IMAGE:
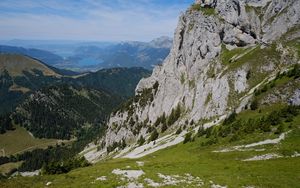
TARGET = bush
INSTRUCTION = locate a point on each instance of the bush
(208, 132)
(141, 140)
(274, 118)
(287, 152)
(174, 116)
(234, 138)
(187, 138)
(211, 141)
(157, 122)
(266, 127)
(65, 166)
(205, 10)
(179, 130)
(154, 135)
(196, 7)
(164, 127)
(201, 131)
(280, 129)
(254, 105)
(264, 89)
(121, 145)
(295, 72)
(231, 118)
(248, 74)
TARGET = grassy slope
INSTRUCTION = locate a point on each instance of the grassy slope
(16, 64)
(222, 168)
(20, 140)
(6, 168)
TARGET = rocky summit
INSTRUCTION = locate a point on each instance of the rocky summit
(222, 51)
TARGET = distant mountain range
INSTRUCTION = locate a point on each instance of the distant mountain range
(45, 56)
(92, 56)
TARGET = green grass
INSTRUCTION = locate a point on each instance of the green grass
(283, 83)
(222, 168)
(6, 168)
(255, 58)
(227, 55)
(205, 10)
(17, 64)
(295, 44)
(20, 140)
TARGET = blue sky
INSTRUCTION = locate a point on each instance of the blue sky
(96, 20)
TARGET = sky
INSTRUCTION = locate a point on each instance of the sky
(89, 20)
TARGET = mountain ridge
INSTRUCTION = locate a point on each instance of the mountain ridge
(20, 75)
(210, 70)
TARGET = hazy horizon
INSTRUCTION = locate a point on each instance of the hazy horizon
(70, 41)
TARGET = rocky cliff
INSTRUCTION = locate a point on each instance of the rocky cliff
(223, 50)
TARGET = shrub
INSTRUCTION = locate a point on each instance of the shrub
(254, 104)
(150, 129)
(201, 131)
(157, 122)
(280, 129)
(154, 135)
(264, 89)
(187, 138)
(234, 138)
(209, 132)
(287, 152)
(266, 127)
(248, 75)
(211, 141)
(272, 84)
(179, 130)
(164, 127)
(174, 116)
(231, 118)
(64, 166)
(196, 7)
(274, 118)
(163, 119)
(123, 144)
(205, 10)
(155, 87)
(141, 140)
(192, 122)
(295, 72)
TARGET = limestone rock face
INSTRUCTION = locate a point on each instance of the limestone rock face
(280, 16)
(206, 3)
(295, 99)
(195, 75)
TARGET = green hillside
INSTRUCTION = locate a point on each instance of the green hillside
(61, 111)
(52, 105)
(215, 156)
(199, 158)
(120, 81)
(21, 75)
(19, 140)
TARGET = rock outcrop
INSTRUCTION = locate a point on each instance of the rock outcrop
(217, 59)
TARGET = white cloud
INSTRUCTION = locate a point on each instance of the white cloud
(89, 21)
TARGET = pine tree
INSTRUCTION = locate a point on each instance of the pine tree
(154, 135)
(141, 140)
